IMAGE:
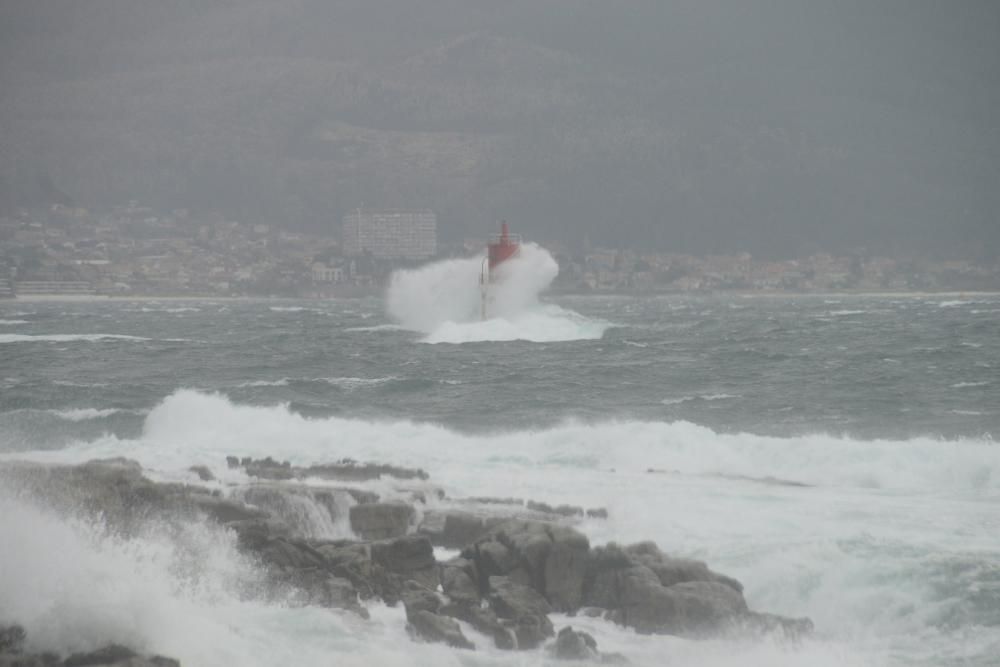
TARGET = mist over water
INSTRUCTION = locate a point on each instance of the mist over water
(443, 300)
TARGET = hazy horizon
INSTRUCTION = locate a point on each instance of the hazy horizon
(777, 128)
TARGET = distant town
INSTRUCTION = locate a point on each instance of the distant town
(134, 250)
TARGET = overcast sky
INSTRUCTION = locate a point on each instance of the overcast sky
(777, 127)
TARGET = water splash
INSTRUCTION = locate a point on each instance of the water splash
(443, 301)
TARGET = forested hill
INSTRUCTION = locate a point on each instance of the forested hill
(775, 127)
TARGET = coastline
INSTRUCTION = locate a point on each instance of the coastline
(745, 294)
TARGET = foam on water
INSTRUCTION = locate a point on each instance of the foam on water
(83, 414)
(443, 300)
(190, 425)
(886, 550)
(65, 338)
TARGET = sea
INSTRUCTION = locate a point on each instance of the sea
(835, 453)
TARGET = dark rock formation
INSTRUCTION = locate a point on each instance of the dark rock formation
(346, 469)
(511, 573)
(379, 521)
(455, 529)
(654, 593)
(204, 474)
(458, 581)
(419, 598)
(112, 655)
(573, 645)
(672, 571)
(484, 620)
(550, 558)
(525, 607)
(434, 628)
(411, 557)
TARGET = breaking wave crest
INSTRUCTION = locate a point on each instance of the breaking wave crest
(191, 426)
(443, 301)
(676, 482)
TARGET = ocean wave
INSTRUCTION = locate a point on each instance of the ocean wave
(547, 323)
(85, 414)
(12, 322)
(700, 397)
(196, 427)
(376, 327)
(293, 309)
(963, 385)
(443, 301)
(348, 383)
(65, 338)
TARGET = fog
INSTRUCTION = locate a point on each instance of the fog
(778, 128)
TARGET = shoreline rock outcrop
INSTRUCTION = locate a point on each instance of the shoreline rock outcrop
(12, 654)
(512, 571)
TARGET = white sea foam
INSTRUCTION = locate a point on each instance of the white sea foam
(701, 397)
(376, 327)
(831, 551)
(195, 427)
(963, 385)
(293, 309)
(65, 338)
(84, 414)
(348, 383)
(443, 301)
(12, 322)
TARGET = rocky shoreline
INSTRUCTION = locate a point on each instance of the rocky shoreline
(518, 561)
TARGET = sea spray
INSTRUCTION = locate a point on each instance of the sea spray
(443, 300)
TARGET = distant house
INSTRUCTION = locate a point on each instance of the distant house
(390, 233)
(321, 273)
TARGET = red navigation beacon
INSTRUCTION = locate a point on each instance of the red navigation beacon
(501, 247)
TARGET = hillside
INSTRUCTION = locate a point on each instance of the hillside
(768, 127)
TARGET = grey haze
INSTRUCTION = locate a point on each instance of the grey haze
(775, 127)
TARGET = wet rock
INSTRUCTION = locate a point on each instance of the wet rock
(561, 510)
(348, 469)
(268, 468)
(307, 511)
(418, 598)
(573, 645)
(550, 558)
(618, 580)
(531, 631)
(253, 534)
(453, 529)
(434, 628)
(672, 571)
(411, 557)
(523, 605)
(320, 588)
(489, 500)
(458, 581)
(757, 623)
(484, 620)
(379, 521)
(204, 474)
(226, 511)
(119, 656)
(703, 608)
